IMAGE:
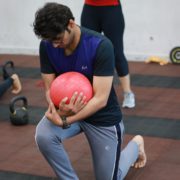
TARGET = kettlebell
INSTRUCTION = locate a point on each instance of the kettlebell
(4, 69)
(19, 116)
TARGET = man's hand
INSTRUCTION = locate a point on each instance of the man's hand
(53, 115)
(77, 102)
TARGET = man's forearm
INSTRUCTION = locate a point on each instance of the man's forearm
(92, 107)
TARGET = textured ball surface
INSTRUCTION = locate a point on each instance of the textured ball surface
(66, 84)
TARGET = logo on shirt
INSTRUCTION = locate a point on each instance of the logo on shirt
(84, 67)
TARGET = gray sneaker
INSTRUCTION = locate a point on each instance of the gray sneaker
(129, 100)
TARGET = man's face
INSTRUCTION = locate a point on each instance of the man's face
(64, 39)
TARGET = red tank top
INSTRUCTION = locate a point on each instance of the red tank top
(102, 2)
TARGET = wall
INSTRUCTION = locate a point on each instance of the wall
(152, 26)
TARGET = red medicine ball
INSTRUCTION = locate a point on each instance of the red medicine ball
(66, 84)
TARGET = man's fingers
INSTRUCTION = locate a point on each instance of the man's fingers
(62, 105)
(63, 102)
(48, 112)
(49, 109)
(73, 98)
(81, 99)
(52, 108)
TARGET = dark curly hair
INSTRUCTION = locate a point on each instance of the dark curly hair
(51, 20)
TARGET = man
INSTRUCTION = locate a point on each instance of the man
(68, 47)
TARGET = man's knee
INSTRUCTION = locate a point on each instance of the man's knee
(43, 138)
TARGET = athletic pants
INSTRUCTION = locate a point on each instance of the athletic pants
(105, 144)
(110, 21)
(5, 85)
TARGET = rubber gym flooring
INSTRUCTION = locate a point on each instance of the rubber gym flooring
(156, 117)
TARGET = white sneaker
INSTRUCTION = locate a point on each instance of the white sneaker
(129, 100)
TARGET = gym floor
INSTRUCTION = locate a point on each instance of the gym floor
(156, 117)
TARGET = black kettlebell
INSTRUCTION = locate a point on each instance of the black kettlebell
(8, 64)
(19, 116)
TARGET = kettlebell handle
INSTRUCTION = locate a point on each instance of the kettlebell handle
(9, 63)
(14, 100)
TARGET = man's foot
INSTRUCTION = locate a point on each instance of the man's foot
(16, 84)
(129, 100)
(142, 159)
(8, 69)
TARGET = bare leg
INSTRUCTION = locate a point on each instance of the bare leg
(125, 83)
(5, 85)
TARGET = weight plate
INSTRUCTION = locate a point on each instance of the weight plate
(175, 55)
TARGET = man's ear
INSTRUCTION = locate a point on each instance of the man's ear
(71, 23)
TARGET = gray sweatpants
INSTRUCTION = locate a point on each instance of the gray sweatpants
(105, 142)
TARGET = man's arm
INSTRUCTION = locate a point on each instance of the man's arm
(101, 87)
(75, 104)
(48, 79)
(102, 84)
(102, 81)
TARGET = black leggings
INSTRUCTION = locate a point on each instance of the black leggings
(5, 85)
(110, 21)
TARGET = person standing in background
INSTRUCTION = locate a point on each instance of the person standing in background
(106, 16)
